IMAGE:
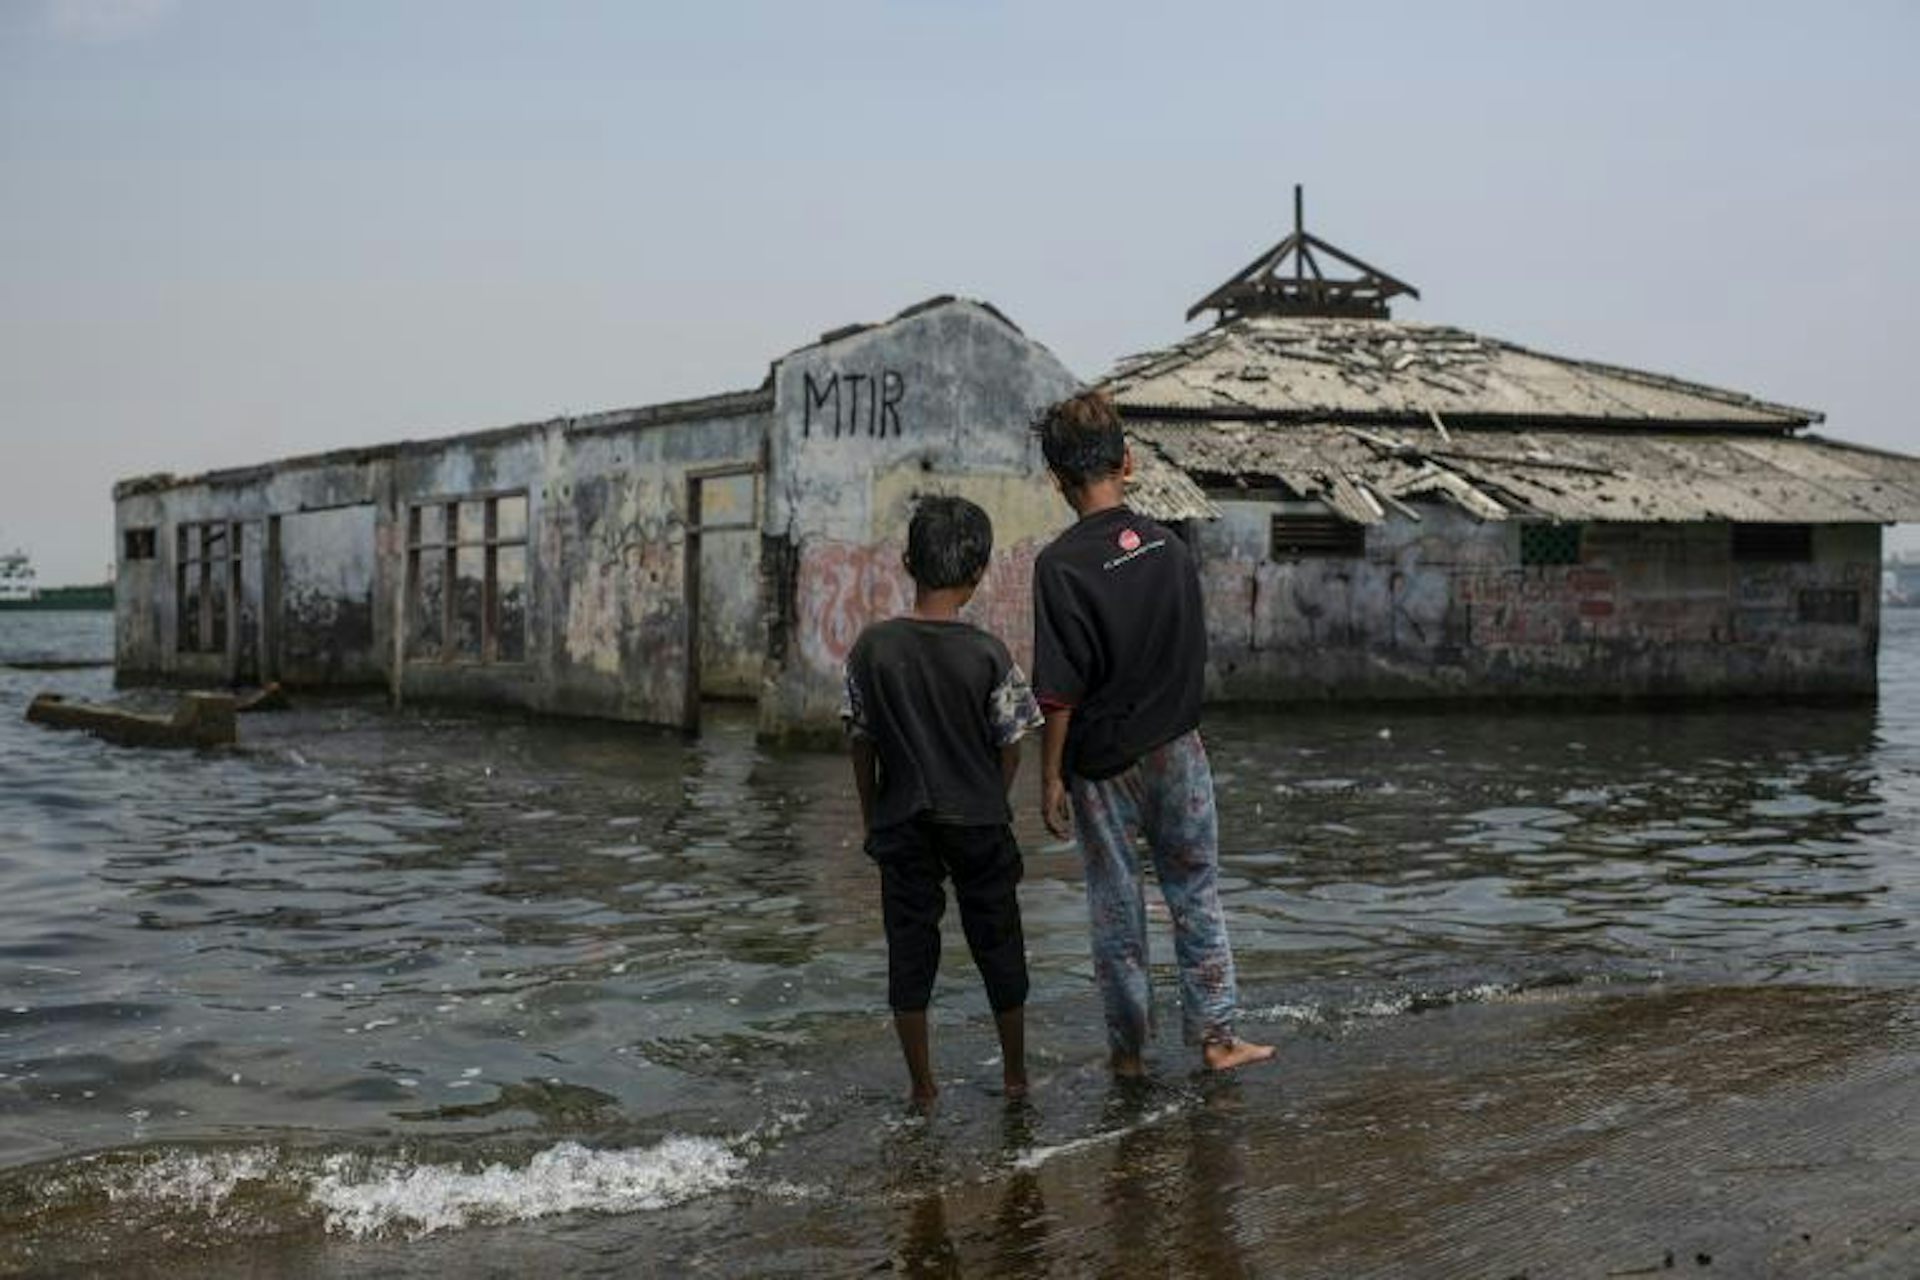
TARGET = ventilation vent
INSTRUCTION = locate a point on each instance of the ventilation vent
(1549, 544)
(1298, 536)
(1774, 543)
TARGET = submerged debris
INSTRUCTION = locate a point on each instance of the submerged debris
(199, 720)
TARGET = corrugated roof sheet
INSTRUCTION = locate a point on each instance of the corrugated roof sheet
(1165, 493)
(1651, 476)
(1305, 367)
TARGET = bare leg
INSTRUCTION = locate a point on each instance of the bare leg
(912, 1030)
(1128, 1066)
(1012, 1026)
(1225, 1055)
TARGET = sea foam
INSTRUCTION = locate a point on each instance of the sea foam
(362, 1197)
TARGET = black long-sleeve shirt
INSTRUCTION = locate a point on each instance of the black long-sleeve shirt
(1120, 637)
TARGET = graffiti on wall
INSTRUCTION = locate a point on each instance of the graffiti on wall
(852, 404)
(1004, 603)
(844, 587)
(1537, 606)
(625, 610)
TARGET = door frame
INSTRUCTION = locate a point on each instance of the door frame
(248, 550)
(690, 572)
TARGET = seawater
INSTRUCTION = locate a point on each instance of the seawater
(377, 979)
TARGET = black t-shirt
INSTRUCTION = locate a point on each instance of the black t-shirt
(1120, 637)
(938, 700)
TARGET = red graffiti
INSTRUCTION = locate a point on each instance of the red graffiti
(844, 587)
(1004, 604)
(1520, 608)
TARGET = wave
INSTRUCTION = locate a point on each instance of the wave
(361, 1195)
(1415, 1000)
(361, 1198)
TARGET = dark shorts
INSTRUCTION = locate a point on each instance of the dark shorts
(916, 858)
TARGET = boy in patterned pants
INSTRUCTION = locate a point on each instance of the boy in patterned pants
(1120, 649)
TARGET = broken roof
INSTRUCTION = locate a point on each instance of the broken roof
(1163, 492)
(1554, 474)
(1314, 368)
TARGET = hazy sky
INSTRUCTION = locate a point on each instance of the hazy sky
(235, 229)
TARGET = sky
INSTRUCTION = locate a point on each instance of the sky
(232, 230)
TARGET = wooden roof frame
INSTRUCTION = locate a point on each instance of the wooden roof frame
(1266, 286)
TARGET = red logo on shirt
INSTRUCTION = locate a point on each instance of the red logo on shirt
(1129, 540)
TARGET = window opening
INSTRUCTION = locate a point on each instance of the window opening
(206, 564)
(467, 579)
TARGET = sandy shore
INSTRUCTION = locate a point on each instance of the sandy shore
(1706, 1131)
(1746, 1132)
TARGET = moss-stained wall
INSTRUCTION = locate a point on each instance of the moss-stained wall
(1443, 607)
(603, 556)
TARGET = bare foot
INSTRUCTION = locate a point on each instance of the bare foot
(1225, 1055)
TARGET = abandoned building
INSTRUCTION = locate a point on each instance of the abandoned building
(1381, 509)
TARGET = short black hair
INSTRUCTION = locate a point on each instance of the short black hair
(949, 541)
(1082, 439)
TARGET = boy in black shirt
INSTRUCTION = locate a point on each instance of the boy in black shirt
(935, 709)
(1119, 656)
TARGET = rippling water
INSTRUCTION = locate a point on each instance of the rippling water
(377, 976)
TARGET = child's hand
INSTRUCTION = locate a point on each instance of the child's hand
(1055, 810)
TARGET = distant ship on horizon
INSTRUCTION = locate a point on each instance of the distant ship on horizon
(18, 582)
(1900, 582)
(20, 588)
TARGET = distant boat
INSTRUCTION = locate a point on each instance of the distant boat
(20, 589)
(18, 584)
(1900, 584)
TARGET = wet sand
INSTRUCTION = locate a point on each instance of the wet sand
(1743, 1132)
(1708, 1131)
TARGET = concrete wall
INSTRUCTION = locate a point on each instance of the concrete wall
(329, 574)
(602, 563)
(615, 519)
(935, 402)
(1443, 607)
(338, 637)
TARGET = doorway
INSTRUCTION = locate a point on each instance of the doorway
(726, 625)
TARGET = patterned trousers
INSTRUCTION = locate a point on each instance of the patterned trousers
(1165, 799)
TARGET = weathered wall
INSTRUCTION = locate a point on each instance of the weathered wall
(1443, 607)
(138, 590)
(323, 609)
(329, 565)
(607, 616)
(620, 633)
(935, 402)
(601, 568)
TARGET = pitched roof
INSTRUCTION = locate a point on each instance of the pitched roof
(1556, 474)
(1163, 492)
(1315, 368)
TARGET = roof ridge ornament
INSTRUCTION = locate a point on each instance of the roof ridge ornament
(1287, 280)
